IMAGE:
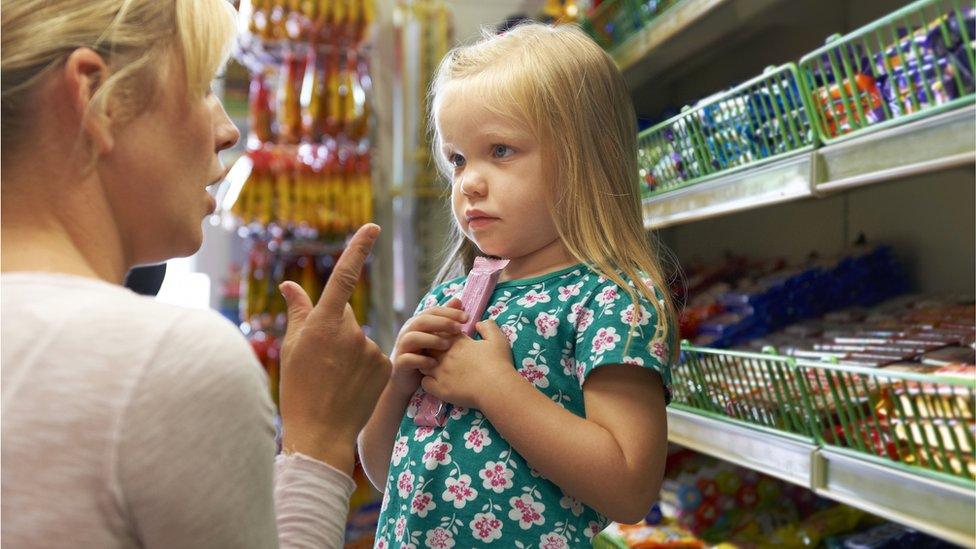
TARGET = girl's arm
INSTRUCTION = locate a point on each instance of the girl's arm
(612, 460)
(378, 437)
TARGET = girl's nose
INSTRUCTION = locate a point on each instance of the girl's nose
(473, 184)
(226, 134)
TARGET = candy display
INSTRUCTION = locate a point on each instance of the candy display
(310, 20)
(321, 192)
(611, 22)
(747, 300)
(477, 291)
(894, 68)
(759, 119)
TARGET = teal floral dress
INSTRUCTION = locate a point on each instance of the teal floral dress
(463, 485)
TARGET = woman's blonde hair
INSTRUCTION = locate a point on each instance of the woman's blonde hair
(134, 37)
(561, 86)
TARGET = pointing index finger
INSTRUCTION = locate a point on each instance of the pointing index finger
(347, 271)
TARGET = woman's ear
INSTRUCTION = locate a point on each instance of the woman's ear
(84, 73)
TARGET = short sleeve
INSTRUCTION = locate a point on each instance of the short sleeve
(611, 330)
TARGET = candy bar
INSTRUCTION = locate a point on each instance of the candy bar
(474, 298)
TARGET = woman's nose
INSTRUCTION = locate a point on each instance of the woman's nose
(226, 134)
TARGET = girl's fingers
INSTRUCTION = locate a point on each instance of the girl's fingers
(432, 324)
(415, 361)
(448, 312)
(415, 342)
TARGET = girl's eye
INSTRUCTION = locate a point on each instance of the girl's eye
(501, 151)
(456, 160)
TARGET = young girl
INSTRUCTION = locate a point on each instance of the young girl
(557, 411)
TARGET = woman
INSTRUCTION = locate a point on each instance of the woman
(126, 422)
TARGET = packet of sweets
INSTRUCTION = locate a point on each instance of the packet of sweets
(474, 298)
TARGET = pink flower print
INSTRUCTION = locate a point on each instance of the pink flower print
(381, 544)
(659, 350)
(535, 374)
(386, 501)
(476, 439)
(580, 370)
(546, 324)
(459, 490)
(422, 433)
(405, 483)
(532, 297)
(607, 296)
(399, 450)
(566, 292)
(526, 511)
(569, 364)
(635, 316)
(453, 289)
(580, 317)
(606, 339)
(510, 333)
(592, 529)
(428, 303)
(399, 528)
(439, 538)
(408, 546)
(436, 453)
(457, 412)
(422, 503)
(636, 361)
(553, 540)
(573, 504)
(496, 476)
(486, 527)
(497, 309)
(414, 405)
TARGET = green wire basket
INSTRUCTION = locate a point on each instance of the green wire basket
(757, 121)
(916, 421)
(756, 389)
(915, 62)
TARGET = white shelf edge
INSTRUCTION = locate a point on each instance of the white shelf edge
(784, 458)
(897, 495)
(868, 486)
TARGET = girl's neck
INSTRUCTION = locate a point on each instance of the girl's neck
(551, 257)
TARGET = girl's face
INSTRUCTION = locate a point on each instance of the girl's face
(162, 162)
(500, 191)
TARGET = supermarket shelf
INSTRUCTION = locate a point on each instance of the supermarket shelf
(927, 145)
(924, 146)
(941, 509)
(781, 181)
(680, 33)
(788, 459)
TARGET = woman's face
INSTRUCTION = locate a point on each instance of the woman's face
(159, 167)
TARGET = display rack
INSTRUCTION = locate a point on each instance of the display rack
(939, 508)
(923, 146)
(724, 423)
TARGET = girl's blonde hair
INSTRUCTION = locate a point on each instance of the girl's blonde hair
(134, 37)
(563, 88)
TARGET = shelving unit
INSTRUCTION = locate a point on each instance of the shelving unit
(924, 146)
(939, 504)
(939, 508)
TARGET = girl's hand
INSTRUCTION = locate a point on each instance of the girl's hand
(421, 341)
(464, 370)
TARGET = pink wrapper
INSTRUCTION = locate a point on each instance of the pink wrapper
(474, 298)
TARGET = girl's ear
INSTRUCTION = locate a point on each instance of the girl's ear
(83, 74)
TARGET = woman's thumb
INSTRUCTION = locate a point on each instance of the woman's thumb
(299, 305)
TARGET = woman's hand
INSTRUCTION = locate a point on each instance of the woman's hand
(462, 373)
(421, 341)
(331, 373)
